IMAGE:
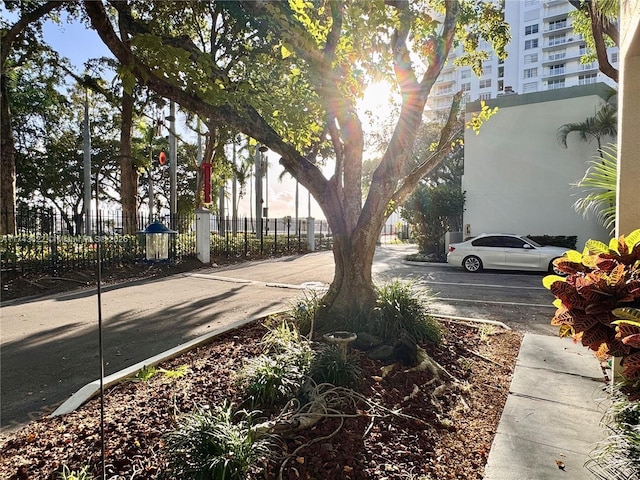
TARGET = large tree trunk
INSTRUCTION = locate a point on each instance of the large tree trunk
(7, 166)
(128, 172)
(352, 286)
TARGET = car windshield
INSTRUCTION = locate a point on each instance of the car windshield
(532, 242)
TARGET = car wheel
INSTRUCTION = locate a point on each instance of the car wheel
(472, 264)
(556, 270)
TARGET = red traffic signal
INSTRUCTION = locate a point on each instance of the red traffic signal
(162, 158)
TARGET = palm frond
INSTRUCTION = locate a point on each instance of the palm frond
(599, 186)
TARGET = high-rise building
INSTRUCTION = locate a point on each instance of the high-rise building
(544, 54)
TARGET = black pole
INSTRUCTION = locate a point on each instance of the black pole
(103, 455)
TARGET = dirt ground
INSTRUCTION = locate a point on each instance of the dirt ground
(436, 434)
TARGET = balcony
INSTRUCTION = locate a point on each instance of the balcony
(556, 12)
(555, 72)
(560, 43)
(557, 28)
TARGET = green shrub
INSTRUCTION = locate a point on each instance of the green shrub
(304, 311)
(208, 445)
(596, 302)
(401, 307)
(555, 240)
(267, 381)
(331, 366)
(68, 474)
(281, 337)
(618, 455)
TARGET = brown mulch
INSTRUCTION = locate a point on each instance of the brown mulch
(445, 439)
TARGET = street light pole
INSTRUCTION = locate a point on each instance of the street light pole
(86, 145)
(173, 164)
(257, 164)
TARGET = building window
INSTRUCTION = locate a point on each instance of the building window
(530, 73)
(559, 55)
(530, 87)
(465, 74)
(444, 90)
(531, 3)
(554, 84)
(529, 44)
(442, 103)
(487, 69)
(531, 58)
(587, 79)
(466, 97)
(583, 50)
(465, 87)
(614, 57)
(557, 69)
(485, 83)
(589, 66)
(485, 96)
(558, 24)
(557, 40)
(531, 29)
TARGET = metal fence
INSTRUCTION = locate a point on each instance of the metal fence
(47, 241)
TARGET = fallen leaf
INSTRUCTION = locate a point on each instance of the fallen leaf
(347, 469)
(560, 464)
(300, 460)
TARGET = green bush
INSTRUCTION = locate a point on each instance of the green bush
(402, 307)
(597, 301)
(68, 474)
(208, 445)
(555, 240)
(618, 455)
(304, 311)
(330, 366)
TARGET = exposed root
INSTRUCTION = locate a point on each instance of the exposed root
(425, 362)
(326, 401)
(486, 359)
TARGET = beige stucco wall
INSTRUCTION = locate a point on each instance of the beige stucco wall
(518, 178)
(628, 217)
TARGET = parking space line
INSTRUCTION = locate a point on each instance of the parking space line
(443, 299)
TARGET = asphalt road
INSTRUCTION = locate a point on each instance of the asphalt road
(49, 346)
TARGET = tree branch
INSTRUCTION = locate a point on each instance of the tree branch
(19, 27)
(447, 136)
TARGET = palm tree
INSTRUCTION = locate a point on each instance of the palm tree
(599, 182)
(603, 124)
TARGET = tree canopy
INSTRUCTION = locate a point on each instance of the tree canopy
(288, 75)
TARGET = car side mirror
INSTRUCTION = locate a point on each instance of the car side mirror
(527, 246)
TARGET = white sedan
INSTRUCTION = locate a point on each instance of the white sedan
(503, 251)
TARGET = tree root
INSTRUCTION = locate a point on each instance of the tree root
(486, 359)
(425, 362)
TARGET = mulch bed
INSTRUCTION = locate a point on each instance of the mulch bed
(447, 439)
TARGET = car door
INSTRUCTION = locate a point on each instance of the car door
(490, 250)
(520, 255)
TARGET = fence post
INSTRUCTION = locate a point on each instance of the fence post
(203, 241)
(311, 233)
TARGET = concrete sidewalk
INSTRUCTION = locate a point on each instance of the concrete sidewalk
(552, 413)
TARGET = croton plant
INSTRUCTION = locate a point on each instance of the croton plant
(598, 301)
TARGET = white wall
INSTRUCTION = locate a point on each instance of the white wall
(518, 178)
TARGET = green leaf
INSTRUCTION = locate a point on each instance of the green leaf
(551, 279)
(632, 239)
(284, 51)
(596, 246)
(627, 313)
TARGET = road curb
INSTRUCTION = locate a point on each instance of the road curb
(92, 389)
